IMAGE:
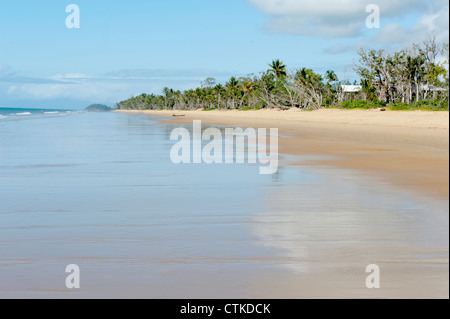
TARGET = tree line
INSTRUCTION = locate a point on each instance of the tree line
(407, 78)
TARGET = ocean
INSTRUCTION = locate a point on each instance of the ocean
(14, 114)
(98, 190)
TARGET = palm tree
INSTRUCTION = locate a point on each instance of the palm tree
(233, 83)
(176, 99)
(332, 77)
(307, 76)
(278, 68)
(218, 90)
(232, 88)
(167, 96)
(246, 86)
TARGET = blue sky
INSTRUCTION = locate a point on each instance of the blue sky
(125, 48)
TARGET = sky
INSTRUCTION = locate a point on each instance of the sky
(126, 48)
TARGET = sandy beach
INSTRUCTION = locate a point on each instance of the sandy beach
(407, 149)
(396, 157)
(99, 190)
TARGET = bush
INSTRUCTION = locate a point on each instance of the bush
(378, 103)
(435, 105)
(328, 102)
(401, 107)
(250, 108)
(425, 105)
(360, 104)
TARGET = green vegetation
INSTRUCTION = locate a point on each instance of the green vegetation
(360, 104)
(405, 80)
(424, 105)
(98, 108)
(247, 108)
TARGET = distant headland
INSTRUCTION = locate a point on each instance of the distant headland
(98, 108)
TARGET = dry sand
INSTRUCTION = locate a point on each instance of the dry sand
(407, 149)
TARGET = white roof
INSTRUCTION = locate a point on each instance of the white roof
(351, 88)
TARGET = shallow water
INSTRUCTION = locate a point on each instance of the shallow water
(100, 191)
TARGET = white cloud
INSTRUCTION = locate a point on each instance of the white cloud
(9, 75)
(344, 48)
(85, 91)
(91, 91)
(334, 8)
(434, 21)
(71, 77)
(6, 70)
(393, 33)
(111, 87)
(334, 18)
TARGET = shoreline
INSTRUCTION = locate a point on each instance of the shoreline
(406, 149)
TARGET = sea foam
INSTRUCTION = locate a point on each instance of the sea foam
(24, 113)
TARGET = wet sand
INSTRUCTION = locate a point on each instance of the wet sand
(99, 191)
(408, 149)
(384, 202)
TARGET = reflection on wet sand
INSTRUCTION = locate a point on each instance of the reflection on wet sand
(332, 226)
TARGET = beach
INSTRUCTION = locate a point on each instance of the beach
(99, 190)
(384, 201)
(225, 153)
(408, 149)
